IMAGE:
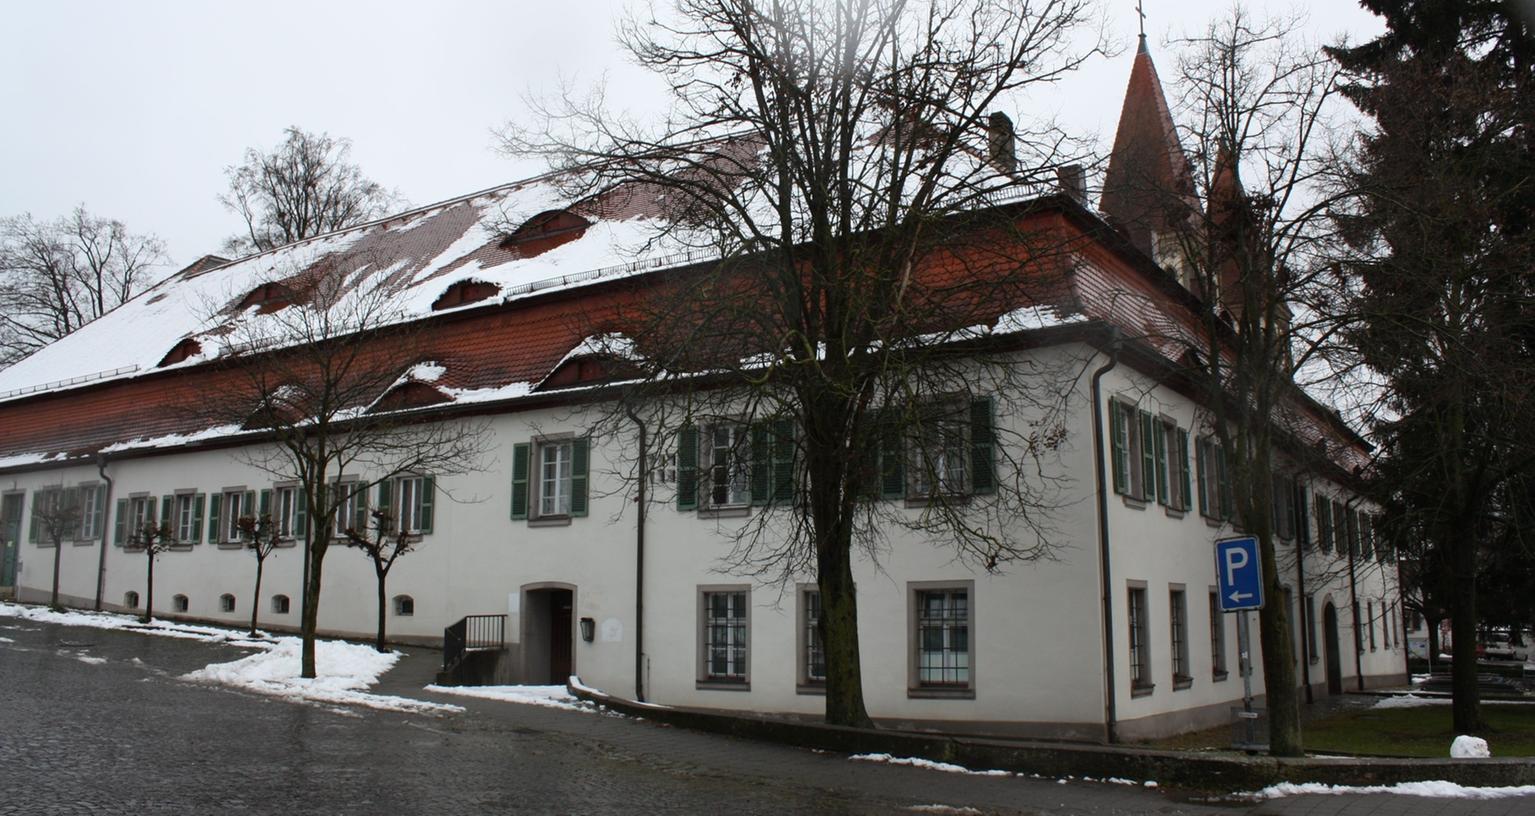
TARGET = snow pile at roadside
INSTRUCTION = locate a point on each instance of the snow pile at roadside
(1435, 789)
(112, 620)
(1469, 747)
(546, 696)
(918, 762)
(344, 670)
(1410, 701)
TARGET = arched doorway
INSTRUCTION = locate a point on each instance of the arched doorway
(547, 636)
(1330, 637)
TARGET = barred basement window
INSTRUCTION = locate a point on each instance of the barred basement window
(280, 604)
(812, 652)
(131, 599)
(1217, 639)
(1140, 643)
(404, 606)
(724, 641)
(226, 603)
(179, 603)
(1178, 618)
(943, 621)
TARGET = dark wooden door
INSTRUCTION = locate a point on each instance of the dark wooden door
(1334, 660)
(560, 603)
(10, 534)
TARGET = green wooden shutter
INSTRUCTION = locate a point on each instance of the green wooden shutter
(1119, 449)
(783, 460)
(1203, 464)
(1223, 480)
(215, 510)
(198, 504)
(892, 455)
(1183, 468)
(580, 454)
(687, 467)
(264, 509)
(359, 496)
(426, 498)
(761, 463)
(120, 524)
(301, 513)
(1148, 457)
(983, 447)
(386, 502)
(167, 512)
(522, 452)
(37, 504)
(1159, 445)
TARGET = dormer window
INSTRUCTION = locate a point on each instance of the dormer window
(270, 297)
(545, 231)
(463, 293)
(181, 351)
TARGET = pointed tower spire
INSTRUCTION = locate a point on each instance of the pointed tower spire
(1149, 186)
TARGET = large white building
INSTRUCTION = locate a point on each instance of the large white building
(1115, 635)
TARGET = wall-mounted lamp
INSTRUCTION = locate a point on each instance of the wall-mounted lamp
(588, 629)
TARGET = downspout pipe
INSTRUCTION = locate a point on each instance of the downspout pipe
(1353, 597)
(1302, 544)
(639, 558)
(106, 507)
(1106, 590)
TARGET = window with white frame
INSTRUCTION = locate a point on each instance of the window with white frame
(942, 638)
(285, 512)
(1149, 456)
(91, 511)
(1217, 639)
(939, 459)
(1140, 642)
(412, 504)
(1178, 628)
(1215, 491)
(1325, 536)
(812, 651)
(141, 514)
(351, 509)
(724, 641)
(186, 518)
(726, 465)
(554, 472)
(1284, 507)
(233, 504)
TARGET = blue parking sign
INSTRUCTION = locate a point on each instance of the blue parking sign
(1238, 574)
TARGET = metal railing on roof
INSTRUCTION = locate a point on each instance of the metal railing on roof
(83, 378)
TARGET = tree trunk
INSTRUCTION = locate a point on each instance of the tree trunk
(256, 599)
(311, 613)
(149, 595)
(1433, 641)
(839, 635)
(54, 601)
(382, 610)
(1465, 701)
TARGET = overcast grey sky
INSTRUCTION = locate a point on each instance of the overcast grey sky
(135, 109)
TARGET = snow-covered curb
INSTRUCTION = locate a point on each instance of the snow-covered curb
(344, 669)
(112, 620)
(1436, 789)
(546, 696)
(947, 767)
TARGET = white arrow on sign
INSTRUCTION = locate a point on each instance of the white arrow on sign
(1238, 597)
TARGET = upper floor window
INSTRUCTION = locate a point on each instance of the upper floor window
(728, 464)
(1149, 456)
(1215, 493)
(187, 517)
(92, 511)
(549, 478)
(409, 501)
(352, 508)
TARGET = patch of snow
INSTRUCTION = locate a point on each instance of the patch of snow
(918, 762)
(1469, 747)
(91, 659)
(344, 670)
(1410, 701)
(1438, 789)
(546, 696)
(112, 620)
(6, 639)
(941, 809)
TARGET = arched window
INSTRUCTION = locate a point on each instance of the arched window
(280, 604)
(226, 603)
(404, 606)
(179, 603)
(131, 599)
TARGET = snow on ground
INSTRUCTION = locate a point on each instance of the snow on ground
(7, 640)
(110, 620)
(1435, 789)
(1416, 701)
(918, 762)
(344, 670)
(1466, 746)
(547, 696)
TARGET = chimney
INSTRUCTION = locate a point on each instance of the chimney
(1072, 181)
(1000, 139)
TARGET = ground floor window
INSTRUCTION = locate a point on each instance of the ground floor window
(404, 606)
(280, 604)
(812, 651)
(1178, 628)
(1217, 639)
(941, 633)
(180, 603)
(226, 603)
(725, 637)
(1140, 642)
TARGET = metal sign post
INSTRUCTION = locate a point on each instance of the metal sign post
(1239, 576)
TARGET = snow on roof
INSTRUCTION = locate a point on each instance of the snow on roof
(416, 256)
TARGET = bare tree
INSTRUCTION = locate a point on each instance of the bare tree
(304, 187)
(1243, 224)
(57, 516)
(383, 544)
(313, 368)
(261, 537)
(56, 276)
(835, 157)
(151, 539)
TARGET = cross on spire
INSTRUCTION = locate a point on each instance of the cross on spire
(1140, 12)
